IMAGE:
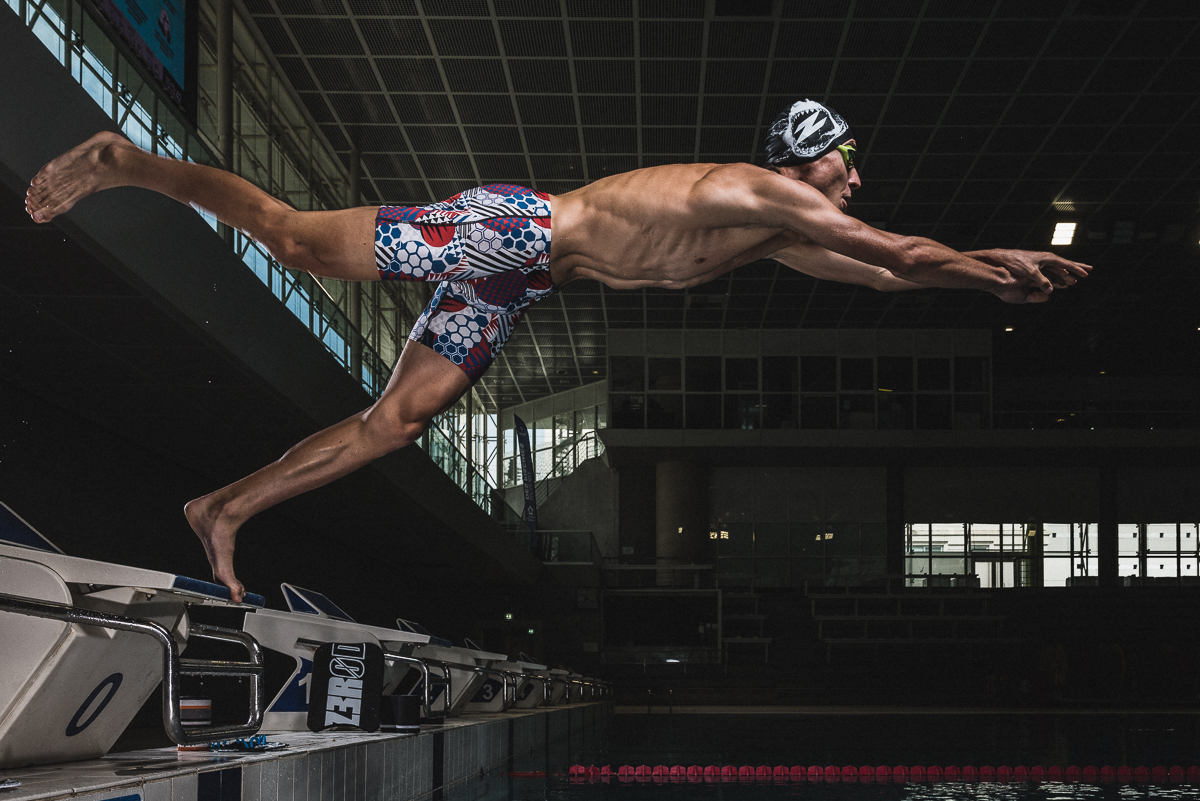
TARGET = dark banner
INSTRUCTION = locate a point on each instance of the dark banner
(530, 481)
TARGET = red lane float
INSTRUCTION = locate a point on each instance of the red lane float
(1090, 774)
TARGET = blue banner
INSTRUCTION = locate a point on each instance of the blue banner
(530, 481)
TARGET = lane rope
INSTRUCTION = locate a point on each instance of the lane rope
(1089, 774)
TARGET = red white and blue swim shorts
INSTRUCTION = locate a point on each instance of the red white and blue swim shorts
(490, 250)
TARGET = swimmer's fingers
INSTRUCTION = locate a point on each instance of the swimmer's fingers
(1054, 260)
(1059, 277)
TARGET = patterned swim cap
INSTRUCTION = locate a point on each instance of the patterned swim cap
(804, 132)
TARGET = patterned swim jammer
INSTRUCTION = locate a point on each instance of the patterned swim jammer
(490, 250)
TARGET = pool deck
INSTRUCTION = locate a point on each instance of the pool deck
(326, 766)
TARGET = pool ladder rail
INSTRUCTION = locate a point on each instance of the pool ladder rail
(173, 666)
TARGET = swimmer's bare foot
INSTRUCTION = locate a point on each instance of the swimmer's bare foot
(217, 536)
(74, 175)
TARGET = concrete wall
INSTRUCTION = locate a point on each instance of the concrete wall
(798, 494)
(586, 500)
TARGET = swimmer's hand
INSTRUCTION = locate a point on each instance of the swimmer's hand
(1038, 273)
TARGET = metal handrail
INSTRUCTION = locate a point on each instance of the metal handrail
(542, 490)
(172, 666)
(447, 704)
(427, 707)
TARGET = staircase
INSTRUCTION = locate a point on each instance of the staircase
(742, 619)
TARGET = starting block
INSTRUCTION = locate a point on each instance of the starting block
(86, 643)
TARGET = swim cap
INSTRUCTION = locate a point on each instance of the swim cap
(805, 132)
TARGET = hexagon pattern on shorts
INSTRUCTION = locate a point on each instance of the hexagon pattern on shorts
(490, 249)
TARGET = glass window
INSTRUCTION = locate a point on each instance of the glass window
(742, 411)
(780, 374)
(841, 539)
(770, 539)
(1162, 537)
(971, 374)
(874, 540)
(818, 374)
(1129, 549)
(807, 540)
(740, 541)
(858, 374)
(917, 554)
(895, 411)
(542, 435)
(933, 411)
(818, 411)
(1189, 559)
(780, 411)
(857, 411)
(664, 411)
(933, 374)
(1068, 555)
(703, 373)
(895, 373)
(971, 411)
(629, 411)
(703, 411)
(665, 374)
(564, 427)
(741, 375)
(625, 374)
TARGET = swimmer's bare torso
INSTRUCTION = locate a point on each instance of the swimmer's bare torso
(674, 226)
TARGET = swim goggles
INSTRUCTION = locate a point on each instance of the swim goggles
(847, 150)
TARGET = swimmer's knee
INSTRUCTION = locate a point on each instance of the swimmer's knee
(391, 430)
(281, 233)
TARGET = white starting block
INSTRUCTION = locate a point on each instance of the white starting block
(314, 620)
(84, 644)
(497, 695)
(469, 667)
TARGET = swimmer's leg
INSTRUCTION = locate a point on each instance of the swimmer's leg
(333, 244)
(423, 385)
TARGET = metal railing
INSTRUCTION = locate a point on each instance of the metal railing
(567, 546)
(173, 667)
(587, 446)
(661, 573)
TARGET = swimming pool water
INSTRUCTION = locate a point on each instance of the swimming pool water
(924, 739)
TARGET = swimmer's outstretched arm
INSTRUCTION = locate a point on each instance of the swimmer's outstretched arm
(1061, 272)
(821, 263)
(751, 196)
(818, 262)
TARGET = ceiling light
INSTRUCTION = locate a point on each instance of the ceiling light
(1009, 329)
(1064, 232)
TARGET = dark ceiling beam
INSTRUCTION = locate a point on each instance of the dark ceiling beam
(1066, 107)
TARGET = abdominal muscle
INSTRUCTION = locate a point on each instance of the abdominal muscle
(651, 228)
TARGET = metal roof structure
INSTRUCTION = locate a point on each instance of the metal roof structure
(979, 124)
